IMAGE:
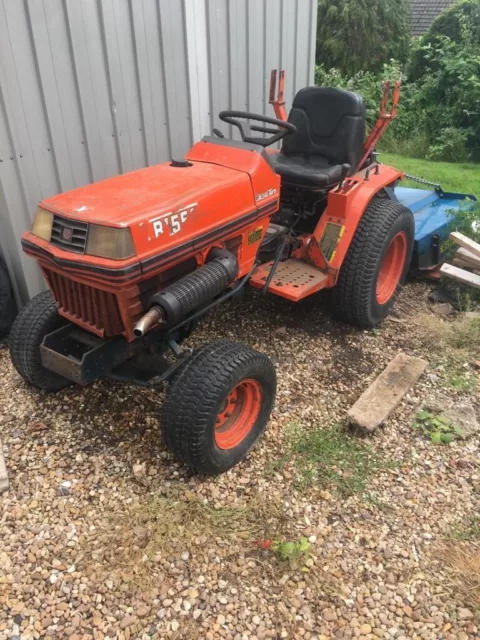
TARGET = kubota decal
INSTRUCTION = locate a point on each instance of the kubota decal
(172, 221)
(265, 194)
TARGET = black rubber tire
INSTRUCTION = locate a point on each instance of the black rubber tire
(39, 317)
(354, 296)
(195, 397)
(7, 301)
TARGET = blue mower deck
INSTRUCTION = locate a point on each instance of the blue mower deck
(432, 212)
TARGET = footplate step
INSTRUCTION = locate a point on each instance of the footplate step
(293, 279)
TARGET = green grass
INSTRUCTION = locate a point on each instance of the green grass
(470, 530)
(456, 340)
(331, 459)
(461, 178)
(463, 382)
(133, 540)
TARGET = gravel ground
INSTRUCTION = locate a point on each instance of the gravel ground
(103, 535)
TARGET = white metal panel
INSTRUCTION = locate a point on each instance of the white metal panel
(273, 35)
(152, 86)
(122, 83)
(238, 53)
(91, 88)
(172, 27)
(24, 103)
(197, 47)
(255, 52)
(219, 60)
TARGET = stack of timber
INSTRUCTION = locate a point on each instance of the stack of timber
(466, 264)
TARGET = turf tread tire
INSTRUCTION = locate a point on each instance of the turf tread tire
(39, 317)
(354, 296)
(168, 434)
(194, 398)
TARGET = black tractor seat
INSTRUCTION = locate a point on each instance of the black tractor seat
(306, 171)
(330, 135)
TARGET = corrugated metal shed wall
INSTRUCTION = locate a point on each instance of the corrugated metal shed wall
(91, 88)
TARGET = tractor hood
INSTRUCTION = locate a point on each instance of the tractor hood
(170, 209)
(132, 198)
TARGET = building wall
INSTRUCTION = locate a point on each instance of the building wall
(93, 88)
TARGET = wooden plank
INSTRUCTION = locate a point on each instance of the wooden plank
(466, 243)
(385, 393)
(458, 262)
(463, 264)
(467, 256)
(4, 484)
(460, 274)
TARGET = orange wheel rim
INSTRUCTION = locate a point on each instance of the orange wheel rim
(391, 268)
(238, 415)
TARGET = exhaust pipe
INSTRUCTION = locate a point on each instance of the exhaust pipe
(197, 288)
(150, 319)
(171, 305)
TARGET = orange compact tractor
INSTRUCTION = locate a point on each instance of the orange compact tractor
(133, 262)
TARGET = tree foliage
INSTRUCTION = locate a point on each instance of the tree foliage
(445, 66)
(450, 91)
(361, 35)
(439, 113)
(460, 21)
(460, 24)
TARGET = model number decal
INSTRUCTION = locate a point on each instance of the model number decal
(173, 221)
(265, 194)
(329, 241)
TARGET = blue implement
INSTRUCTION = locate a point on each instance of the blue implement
(432, 211)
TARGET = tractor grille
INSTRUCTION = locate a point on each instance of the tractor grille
(95, 307)
(69, 235)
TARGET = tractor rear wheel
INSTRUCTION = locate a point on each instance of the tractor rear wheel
(376, 264)
(218, 405)
(39, 317)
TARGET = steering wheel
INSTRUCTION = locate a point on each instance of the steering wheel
(281, 130)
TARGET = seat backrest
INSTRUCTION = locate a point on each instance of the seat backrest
(330, 123)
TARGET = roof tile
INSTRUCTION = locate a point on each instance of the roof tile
(424, 13)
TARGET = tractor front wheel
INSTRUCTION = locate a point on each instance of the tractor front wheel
(218, 405)
(39, 317)
(376, 264)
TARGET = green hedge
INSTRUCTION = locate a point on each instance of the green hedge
(439, 112)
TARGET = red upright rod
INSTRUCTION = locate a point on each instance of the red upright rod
(384, 119)
(278, 102)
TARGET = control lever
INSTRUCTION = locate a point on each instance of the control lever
(345, 171)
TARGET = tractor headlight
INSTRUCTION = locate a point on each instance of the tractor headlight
(42, 224)
(108, 242)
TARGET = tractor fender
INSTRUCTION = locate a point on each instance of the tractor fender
(345, 208)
